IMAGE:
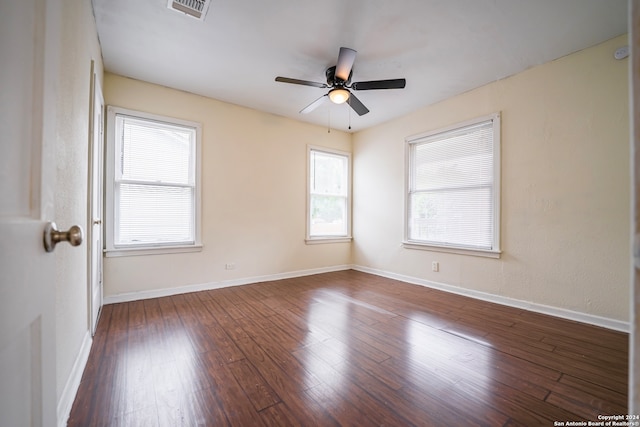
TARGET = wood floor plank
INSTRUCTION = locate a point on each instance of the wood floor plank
(212, 413)
(517, 405)
(600, 374)
(311, 332)
(254, 299)
(216, 311)
(230, 295)
(414, 411)
(157, 335)
(284, 360)
(201, 339)
(235, 403)
(139, 392)
(568, 345)
(190, 409)
(345, 386)
(442, 414)
(575, 400)
(255, 387)
(277, 304)
(344, 348)
(342, 410)
(137, 318)
(279, 415)
(191, 371)
(281, 380)
(223, 343)
(570, 331)
(197, 306)
(601, 393)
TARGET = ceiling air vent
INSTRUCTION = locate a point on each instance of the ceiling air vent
(195, 8)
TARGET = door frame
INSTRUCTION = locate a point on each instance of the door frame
(96, 180)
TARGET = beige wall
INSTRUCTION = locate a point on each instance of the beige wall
(565, 188)
(79, 46)
(253, 194)
(565, 191)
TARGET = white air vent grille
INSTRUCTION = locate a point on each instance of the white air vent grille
(196, 8)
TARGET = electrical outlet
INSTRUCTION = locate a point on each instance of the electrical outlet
(435, 266)
(230, 266)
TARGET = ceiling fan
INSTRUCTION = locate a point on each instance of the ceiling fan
(339, 82)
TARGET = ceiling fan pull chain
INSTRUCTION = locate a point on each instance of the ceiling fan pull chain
(329, 119)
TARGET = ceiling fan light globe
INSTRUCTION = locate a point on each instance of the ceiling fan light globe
(339, 95)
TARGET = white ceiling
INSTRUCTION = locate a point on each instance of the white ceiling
(442, 47)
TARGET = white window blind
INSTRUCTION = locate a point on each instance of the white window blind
(454, 187)
(154, 194)
(328, 194)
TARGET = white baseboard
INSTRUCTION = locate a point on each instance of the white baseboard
(73, 382)
(134, 296)
(603, 322)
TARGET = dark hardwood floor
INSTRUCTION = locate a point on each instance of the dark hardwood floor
(345, 348)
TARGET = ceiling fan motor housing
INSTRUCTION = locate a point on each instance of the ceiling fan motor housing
(331, 78)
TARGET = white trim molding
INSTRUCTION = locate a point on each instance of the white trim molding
(73, 381)
(135, 296)
(452, 250)
(604, 322)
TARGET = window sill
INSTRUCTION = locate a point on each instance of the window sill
(320, 240)
(109, 253)
(452, 250)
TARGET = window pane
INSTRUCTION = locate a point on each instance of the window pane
(458, 218)
(153, 171)
(328, 173)
(328, 216)
(452, 193)
(156, 152)
(459, 160)
(154, 215)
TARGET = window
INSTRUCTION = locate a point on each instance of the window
(329, 196)
(453, 189)
(153, 194)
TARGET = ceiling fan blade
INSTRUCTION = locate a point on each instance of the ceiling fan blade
(300, 82)
(357, 106)
(380, 84)
(315, 104)
(346, 59)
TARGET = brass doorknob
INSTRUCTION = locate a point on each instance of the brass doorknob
(53, 236)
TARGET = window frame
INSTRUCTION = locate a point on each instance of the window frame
(410, 141)
(328, 238)
(112, 250)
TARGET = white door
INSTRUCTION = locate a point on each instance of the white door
(95, 196)
(29, 51)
